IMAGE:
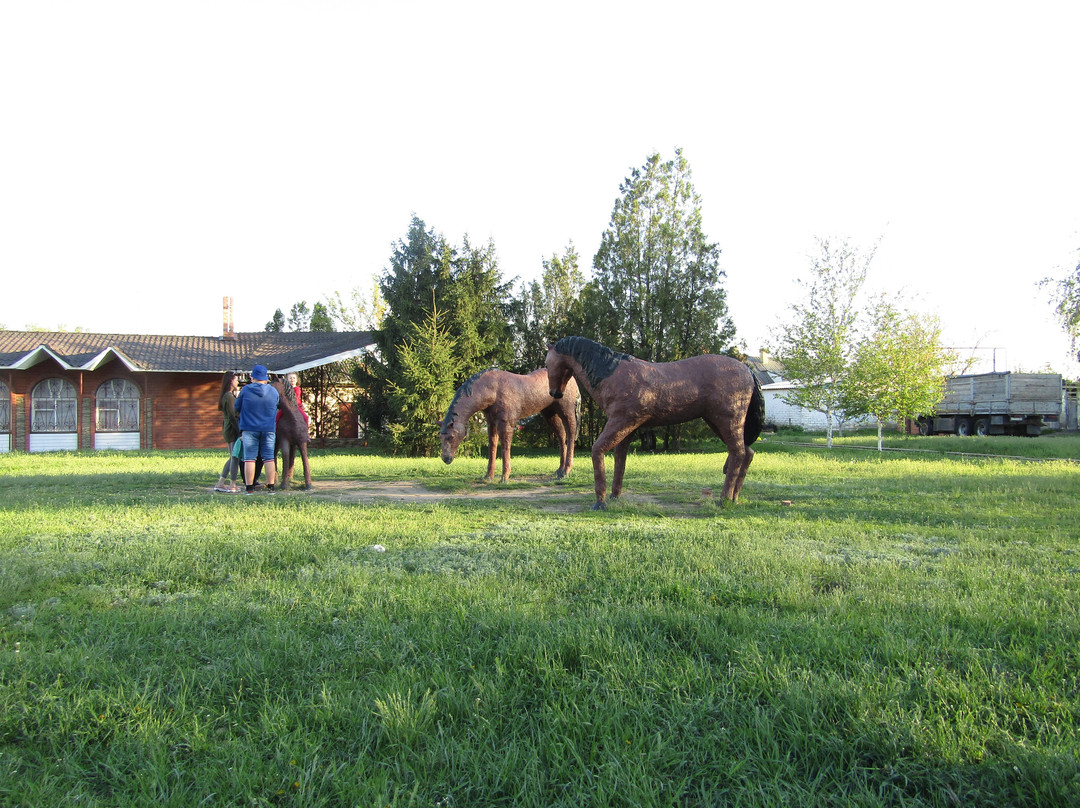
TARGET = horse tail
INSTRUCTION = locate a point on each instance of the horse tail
(755, 414)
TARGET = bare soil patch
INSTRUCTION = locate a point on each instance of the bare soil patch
(366, 491)
(547, 497)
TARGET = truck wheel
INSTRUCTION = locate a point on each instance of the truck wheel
(924, 427)
(982, 427)
(963, 427)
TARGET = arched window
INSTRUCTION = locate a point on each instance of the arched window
(5, 418)
(53, 406)
(117, 406)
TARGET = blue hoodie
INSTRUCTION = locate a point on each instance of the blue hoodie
(257, 407)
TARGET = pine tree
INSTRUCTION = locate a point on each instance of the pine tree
(425, 387)
(277, 322)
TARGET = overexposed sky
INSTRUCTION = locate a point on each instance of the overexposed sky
(156, 156)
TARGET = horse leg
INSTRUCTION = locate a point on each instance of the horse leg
(738, 460)
(493, 445)
(569, 415)
(507, 430)
(739, 454)
(620, 466)
(307, 469)
(557, 426)
(612, 436)
(286, 461)
(742, 473)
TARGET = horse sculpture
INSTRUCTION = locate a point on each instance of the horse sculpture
(292, 433)
(633, 394)
(505, 398)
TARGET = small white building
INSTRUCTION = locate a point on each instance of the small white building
(779, 413)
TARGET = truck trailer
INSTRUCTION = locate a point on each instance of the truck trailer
(997, 404)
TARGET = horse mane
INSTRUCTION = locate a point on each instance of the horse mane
(287, 397)
(462, 392)
(596, 360)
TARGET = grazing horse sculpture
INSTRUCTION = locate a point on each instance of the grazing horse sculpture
(292, 433)
(505, 398)
(633, 394)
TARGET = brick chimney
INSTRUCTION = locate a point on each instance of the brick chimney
(227, 330)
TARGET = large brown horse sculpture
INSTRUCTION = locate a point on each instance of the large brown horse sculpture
(505, 398)
(292, 433)
(633, 394)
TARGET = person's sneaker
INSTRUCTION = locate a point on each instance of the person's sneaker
(249, 490)
(222, 485)
(270, 489)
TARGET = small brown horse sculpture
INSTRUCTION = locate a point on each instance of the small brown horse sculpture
(505, 398)
(292, 433)
(633, 394)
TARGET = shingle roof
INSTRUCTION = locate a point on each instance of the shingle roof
(767, 369)
(281, 352)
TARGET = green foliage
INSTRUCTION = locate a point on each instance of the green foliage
(463, 283)
(816, 345)
(657, 291)
(1065, 296)
(477, 310)
(898, 367)
(904, 633)
(426, 386)
(320, 319)
(410, 286)
(276, 323)
(547, 310)
(363, 311)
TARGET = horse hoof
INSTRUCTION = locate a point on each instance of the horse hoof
(600, 506)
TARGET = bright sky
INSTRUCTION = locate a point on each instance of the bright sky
(156, 156)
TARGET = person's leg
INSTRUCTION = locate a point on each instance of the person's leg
(251, 449)
(222, 483)
(266, 446)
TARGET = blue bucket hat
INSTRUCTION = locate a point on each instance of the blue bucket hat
(259, 374)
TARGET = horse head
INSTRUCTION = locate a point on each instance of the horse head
(559, 371)
(452, 432)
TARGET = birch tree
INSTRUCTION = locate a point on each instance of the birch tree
(815, 346)
(1065, 297)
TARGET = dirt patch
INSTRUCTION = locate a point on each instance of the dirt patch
(410, 491)
(548, 497)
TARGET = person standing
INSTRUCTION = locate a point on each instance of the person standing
(257, 406)
(230, 430)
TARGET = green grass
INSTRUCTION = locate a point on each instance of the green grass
(906, 632)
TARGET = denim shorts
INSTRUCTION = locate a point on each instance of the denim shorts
(259, 444)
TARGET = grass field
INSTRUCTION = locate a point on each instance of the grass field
(905, 632)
